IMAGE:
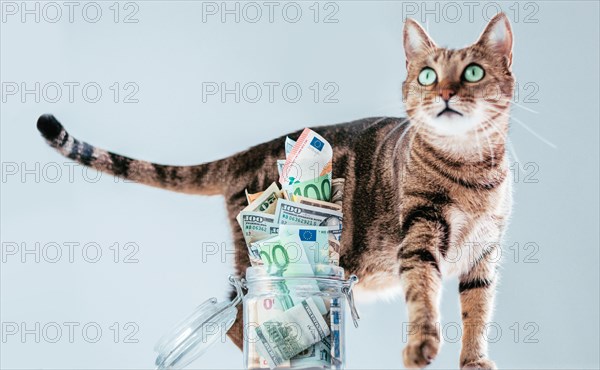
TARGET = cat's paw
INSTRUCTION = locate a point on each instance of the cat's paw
(419, 352)
(481, 364)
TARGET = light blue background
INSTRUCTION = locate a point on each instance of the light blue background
(169, 53)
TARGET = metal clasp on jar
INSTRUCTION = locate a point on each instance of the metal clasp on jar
(347, 290)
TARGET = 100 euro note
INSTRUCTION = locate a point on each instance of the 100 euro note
(292, 213)
(284, 256)
(318, 246)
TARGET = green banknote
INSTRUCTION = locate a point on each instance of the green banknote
(315, 241)
(284, 256)
(317, 188)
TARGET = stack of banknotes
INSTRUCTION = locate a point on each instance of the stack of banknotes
(295, 231)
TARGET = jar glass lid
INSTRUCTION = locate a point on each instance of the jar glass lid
(192, 337)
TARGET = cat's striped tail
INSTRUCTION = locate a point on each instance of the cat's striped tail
(202, 179)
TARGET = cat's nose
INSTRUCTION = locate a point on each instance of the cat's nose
(447, 93)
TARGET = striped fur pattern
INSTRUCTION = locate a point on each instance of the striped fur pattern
(425, 197)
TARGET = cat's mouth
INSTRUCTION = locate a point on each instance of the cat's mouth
(449, 111)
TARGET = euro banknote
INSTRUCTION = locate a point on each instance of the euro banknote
(312, 153)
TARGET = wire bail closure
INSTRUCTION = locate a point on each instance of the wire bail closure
(194, 335)
(238, 284)
(347, 290)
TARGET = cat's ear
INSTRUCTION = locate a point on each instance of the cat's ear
(497, 37)
(416, 40)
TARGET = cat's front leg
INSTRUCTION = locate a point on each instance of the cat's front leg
(421, 281)
(477, 292)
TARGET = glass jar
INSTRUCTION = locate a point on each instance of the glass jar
(292, 321)
(282, 301)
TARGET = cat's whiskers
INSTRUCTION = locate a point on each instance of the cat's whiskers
(418, 126)
(479, 145)
(526, 127)
(487, 137)
(508, 141)
(387, 136)
(523, 107)
(411, 124)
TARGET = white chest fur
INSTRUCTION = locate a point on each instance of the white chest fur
(469, 237)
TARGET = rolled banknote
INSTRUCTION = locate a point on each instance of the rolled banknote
(309, 159)
(251, 197)
(336, 341)
(289, 145)
(317, 356)
(256, 226)
(318, 188)
(316, 203)
(334, 249)
(337, 190)
(266, 308)
(280, 164)
(315, 241)
(291, 332)
(284, 256)
(288, 212)
(265, 202)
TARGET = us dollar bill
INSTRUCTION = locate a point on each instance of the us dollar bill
(266, 308)
(256, 226)
(289, 333)
(266, 202)
(316, 203)
(288, 212)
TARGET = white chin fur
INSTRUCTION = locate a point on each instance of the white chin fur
(454, 124)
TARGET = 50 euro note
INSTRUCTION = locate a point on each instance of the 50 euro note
(289, 145)
(307, 168)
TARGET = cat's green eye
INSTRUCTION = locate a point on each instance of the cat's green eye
(427, 76)
(473, 73)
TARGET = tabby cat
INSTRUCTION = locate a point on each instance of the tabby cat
(425, 197)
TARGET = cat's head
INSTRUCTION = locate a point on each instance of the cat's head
(454, 92)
